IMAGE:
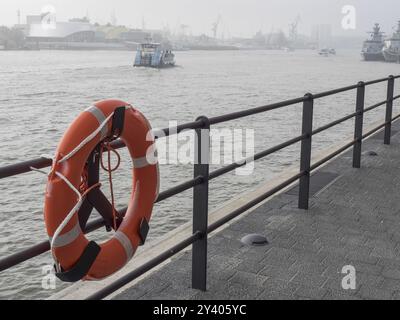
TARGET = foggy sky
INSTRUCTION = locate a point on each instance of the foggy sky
(239, 17)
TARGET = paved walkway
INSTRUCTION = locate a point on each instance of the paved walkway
(354, 219)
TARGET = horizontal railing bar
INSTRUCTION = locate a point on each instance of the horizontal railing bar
(366, 135)
(335, 91)
(375, 106)
(253, 203)
(179, 189)
(332, 155)
(24, 167)
(334, 123)
(219, 172)
(253, 111)
(118, 284)
(40, 248)
(39, 163)
(380, 104)
(178, 129)
(24, 255)
(368, 83)
(371, 132)
(350, 144)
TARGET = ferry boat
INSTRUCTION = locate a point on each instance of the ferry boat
(391, 50)
(372, 48)
(154, 55)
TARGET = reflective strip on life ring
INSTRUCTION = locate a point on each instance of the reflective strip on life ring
(100, 118)
(60, 199)
(68, 237)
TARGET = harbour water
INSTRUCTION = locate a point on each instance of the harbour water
(41, 92)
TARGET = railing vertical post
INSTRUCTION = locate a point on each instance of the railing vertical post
(200, 206)
(358, 127)
(389, 110)
(306, 145)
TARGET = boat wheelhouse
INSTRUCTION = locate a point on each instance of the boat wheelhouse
(155, 55)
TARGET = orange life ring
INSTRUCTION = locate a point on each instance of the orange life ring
(71, 243)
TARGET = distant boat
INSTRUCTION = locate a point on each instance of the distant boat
(288, 49)
(154, 55)
(372, 48)
(391, 50)
(325, 52)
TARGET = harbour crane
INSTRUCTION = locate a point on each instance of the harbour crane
(215, 26)
(293, 29)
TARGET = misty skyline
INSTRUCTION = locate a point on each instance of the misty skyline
(238, 17)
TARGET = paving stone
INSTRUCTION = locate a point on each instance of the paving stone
(245, 278)
(275, 296)
(313, 280)
(390, 284)
(308, 268)
(391, 273)
(340, 295)
(279, 273)
(369, 279)
(310, 292)
(283, 287)
(373, 293)
(250, 266)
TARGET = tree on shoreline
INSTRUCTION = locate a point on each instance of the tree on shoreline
(12, 38)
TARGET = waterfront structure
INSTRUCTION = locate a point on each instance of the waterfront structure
(81, 34)
(62, 31)
(61, 35)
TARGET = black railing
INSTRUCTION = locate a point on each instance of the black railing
(202, 177)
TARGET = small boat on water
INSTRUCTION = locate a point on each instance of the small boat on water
(391, 50)
(288, 49)
(325, 52)
(154, 55)
(372, 48)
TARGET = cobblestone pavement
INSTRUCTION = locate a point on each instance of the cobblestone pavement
(354, 220)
